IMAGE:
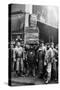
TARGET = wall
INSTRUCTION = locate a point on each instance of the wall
(47, 32)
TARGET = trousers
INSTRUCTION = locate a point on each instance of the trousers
(19, 64)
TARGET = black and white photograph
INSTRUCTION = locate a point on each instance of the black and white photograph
(33, 57)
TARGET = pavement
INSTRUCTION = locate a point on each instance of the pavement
(21, 81)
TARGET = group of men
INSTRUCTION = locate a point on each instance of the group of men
(36, 60)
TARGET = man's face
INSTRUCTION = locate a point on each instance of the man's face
(48, 46)
(18, 44)
(52, 46)
(42, 44)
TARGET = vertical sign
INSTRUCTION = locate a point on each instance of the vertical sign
(33, 20)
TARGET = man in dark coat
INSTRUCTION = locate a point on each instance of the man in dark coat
(31, 60)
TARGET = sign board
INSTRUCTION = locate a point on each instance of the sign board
(33, 20)
(31, 35)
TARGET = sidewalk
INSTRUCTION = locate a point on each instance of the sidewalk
(26, 81)
(20, 81)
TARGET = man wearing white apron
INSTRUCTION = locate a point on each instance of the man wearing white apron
(48, 62)
(50, 59)
(19, 58)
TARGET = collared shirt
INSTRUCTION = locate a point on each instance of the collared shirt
(50, 54)
(18, 51)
